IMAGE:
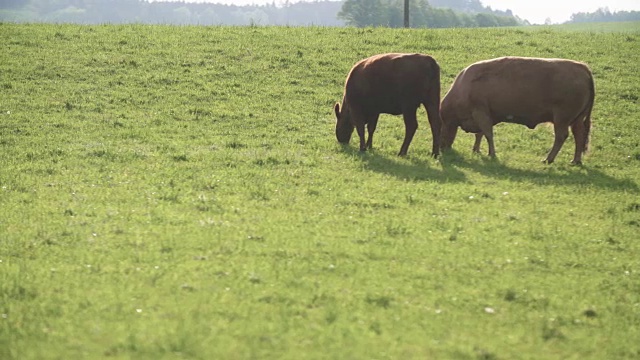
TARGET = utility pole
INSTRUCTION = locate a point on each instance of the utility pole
(406, 13)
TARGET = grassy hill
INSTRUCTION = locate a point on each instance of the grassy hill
(616, 27)
(171, 192)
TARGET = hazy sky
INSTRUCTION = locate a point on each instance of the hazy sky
(536, 11)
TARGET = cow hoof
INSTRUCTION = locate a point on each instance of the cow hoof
(576, 163)
(547, 161)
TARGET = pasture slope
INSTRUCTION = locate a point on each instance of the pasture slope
(178, 192)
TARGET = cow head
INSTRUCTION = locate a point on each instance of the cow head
(449, 128)
(344, 127)
(448, 135)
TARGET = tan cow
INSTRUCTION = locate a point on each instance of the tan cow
(526, 91)
(390, 84)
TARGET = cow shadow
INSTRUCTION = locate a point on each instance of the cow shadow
(451, 167)
(411, 168)
(554, 174)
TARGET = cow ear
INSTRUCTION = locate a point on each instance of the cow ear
(336, 108)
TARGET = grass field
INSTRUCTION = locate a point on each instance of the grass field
(178, 192)
(618, 27)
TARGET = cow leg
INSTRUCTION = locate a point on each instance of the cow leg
(359, 119)
(579, 135)
(435, 122)
(476, 145)
(561, 134)
(371, 128)
(410, 127)
(486, 127)
(360, 130)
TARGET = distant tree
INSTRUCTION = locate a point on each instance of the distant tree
(604, 15)
(182, 15)
(460, 5)
(395, 15)
(419, 10)
(279, 12)
(389, 13)
(486, 20)
(210, 17)
(448, 18)
(363, 13)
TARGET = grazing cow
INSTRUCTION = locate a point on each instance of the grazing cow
(526, 91)
(390, 84)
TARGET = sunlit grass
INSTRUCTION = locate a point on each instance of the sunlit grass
(179, 192)
(617, 27)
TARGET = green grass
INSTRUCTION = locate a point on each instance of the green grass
(178, 192)
(619, 27)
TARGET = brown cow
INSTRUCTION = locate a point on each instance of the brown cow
(526, 91)
(390, 84)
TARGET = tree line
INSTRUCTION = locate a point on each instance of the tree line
(458, 13)
(360, 13)
(174, 12)
(604, 15)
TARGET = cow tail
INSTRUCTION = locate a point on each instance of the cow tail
(587, 118)
(437, 95)
(436, 89)
(435, 98)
